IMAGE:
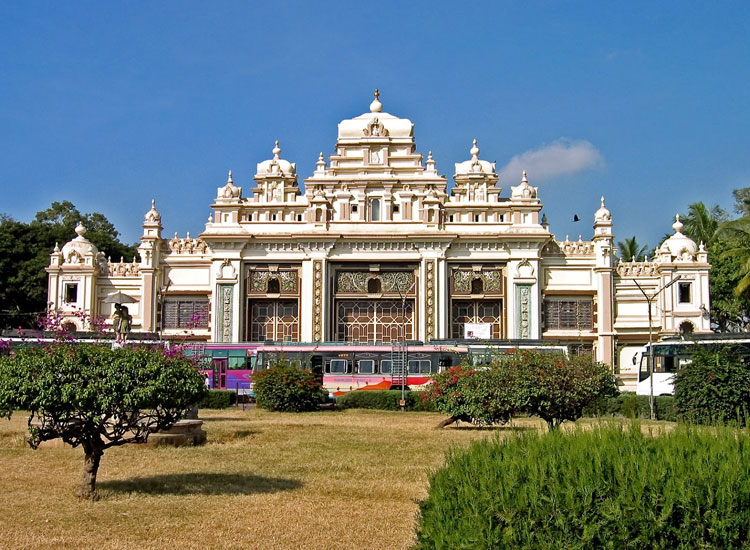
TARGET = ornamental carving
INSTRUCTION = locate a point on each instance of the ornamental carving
(577, 248)
(524, 311)
(375, 129)
(123, 269)
(357, 281)
(430, 299)
(317, 300)
(187, 245)
(492, 280)
(287, 280)
(638, 269)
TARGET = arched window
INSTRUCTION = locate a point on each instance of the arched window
(273, 286)
(375, 210)
(686, 328)
(477, 286)
(318, 215)
(373, 286)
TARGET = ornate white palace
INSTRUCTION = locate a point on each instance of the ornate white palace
(377, 248)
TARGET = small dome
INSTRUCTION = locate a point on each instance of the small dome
(74, 251)
(474, 166)
(603, 214)
(153, 215)
(679, 246)
(523, 191)
(229, 191)
(276, 165)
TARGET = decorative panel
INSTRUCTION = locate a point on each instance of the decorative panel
(430, 299)
(356, 282)
(523, 299)
(317, 300)
(225, 313)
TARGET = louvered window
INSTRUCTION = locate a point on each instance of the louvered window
(186, 313)
(569, 314)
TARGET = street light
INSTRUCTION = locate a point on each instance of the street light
(649, 300)
(405, 361)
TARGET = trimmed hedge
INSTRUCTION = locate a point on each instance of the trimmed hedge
(631, 405)
(218, 399)
(610, 487)
(386, 400)
(286, 388)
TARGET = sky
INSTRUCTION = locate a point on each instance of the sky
(109, 105)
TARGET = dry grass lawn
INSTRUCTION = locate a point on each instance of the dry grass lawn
(334, 479)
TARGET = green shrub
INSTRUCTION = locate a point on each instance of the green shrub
(286, 388)
(386, 400)
(713, 388)
(483, 396)
(604, 488)
(218, 399)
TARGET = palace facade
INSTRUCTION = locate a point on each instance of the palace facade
(378, 249)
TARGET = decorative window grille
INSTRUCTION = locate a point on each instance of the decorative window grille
(476, 311)
(368, 321)
(274, 321)
(573, 314)
(185, 313)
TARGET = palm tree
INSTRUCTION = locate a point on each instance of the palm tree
(702, 223)
(630, 251)
(736, 233)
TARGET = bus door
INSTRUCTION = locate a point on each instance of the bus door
(316, 366)
(220, 373)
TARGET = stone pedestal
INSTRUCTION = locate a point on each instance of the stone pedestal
(182, 433)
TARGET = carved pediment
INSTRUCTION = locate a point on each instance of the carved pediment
(375, 129)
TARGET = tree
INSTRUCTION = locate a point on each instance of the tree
(730, 312)
(630, 250)
(480, 396)
(97, 397)
(557, 388)
(742, 201)
(701, 223)
(286, 388)
(713, 388)
(25, 250)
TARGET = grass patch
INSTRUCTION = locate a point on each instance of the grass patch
(343, 479)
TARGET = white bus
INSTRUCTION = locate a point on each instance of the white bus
(671, 355)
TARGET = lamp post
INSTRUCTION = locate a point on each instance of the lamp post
(649, 300)
(405, 363)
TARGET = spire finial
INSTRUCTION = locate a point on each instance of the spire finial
(276, 150)
(229, 177)
(677, 225)
(474, 151)
(524, 179)
(376, 106)
(602, 201)
(153, 204)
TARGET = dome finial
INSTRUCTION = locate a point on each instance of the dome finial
(677, 225)
(474, 151)
(376, 106)
(229, 177)
(524, 179)
(80, 230)
(602, 201)
(276, 150)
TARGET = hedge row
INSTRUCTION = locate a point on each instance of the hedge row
(388, 400)
(218, 399)
(631, 405)
(610, 487)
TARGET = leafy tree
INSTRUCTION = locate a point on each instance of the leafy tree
(736, 235)
(730, 312)
(97, 397)
(286, 388)
(701, 223)
(557, 388)
(714, 387)
(485, 396)
(25, 250)
(742, 201)
(630, 250)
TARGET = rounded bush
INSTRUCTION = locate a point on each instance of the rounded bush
(288, 389)
(604, 488)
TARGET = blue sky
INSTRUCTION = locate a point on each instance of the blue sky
(111, 104)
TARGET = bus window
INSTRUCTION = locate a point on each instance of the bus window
(366, 366)
(385, 366)
(337, 366)
(420, 366)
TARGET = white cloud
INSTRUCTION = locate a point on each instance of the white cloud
(559, 158)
